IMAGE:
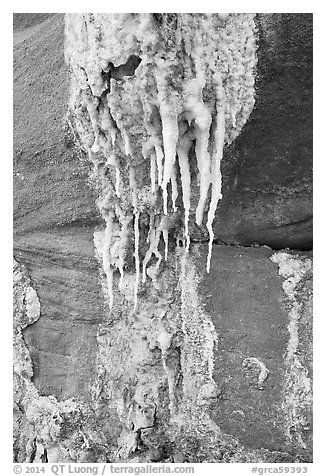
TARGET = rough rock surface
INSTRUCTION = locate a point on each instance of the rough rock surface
(268, 169)
(253, 313)
(179, 377)
(54, 215)
(158, 395)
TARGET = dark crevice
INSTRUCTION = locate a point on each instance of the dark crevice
(33, 452)
(235, 244)
(44, 456)
(158, 19)
(119, 72)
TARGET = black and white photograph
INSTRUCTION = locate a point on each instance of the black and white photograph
(162, 241)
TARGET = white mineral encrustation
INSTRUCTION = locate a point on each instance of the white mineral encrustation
(154, 99)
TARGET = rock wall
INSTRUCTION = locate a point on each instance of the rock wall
(267, 171)
(180, 382)
(138, 354)
(54, 215)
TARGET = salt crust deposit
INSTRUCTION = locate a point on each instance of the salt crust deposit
(154, 99)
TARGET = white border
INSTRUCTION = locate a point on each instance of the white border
(316, 7)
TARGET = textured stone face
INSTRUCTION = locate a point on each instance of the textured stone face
(43, 426)
(267, 171)
(159, 392)
(133, 352)
(54, 215)
(259, 312)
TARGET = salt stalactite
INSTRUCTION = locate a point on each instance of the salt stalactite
(91, 104)
(165, 225)
(151, 239)
(216, 178)
(128, 150)
(117, 181)
(174, 186)
(202, 133)
(166, 243)
(183, 149)
(113, 162)
(159, 162)
(154, 240)
(153, 173)
(170, 139)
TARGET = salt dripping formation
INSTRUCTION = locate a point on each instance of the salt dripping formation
(154, 98)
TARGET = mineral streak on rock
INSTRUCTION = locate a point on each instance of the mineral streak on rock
(185, 81)
(154, 368)
(297, 271)
(26, 312)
